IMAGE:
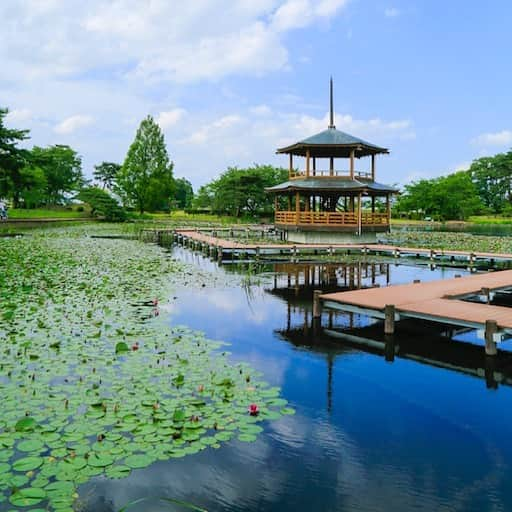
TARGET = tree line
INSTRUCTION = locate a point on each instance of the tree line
(484, 188)
(145, 181)
(53, 175)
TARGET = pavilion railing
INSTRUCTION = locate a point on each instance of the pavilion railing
(327, 174)
(331, 218)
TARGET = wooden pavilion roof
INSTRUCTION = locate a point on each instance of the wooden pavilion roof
(332, 185)
(333, 143)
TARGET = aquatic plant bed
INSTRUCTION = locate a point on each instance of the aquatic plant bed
(449, 241)
(94, 381)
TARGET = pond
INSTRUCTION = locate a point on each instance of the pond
(422, 428)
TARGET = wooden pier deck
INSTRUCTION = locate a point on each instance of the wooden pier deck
(438, 301)
(207, 239)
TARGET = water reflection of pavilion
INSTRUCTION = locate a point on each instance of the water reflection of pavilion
(295, 282)
(340, 334)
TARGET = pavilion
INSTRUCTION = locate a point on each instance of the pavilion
(319, 205)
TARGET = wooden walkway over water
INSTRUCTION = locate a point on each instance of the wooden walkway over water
(443, 301)
(224, 248)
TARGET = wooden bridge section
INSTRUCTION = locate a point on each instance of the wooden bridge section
(443, 301)
(214, 242)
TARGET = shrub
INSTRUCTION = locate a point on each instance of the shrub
(102, 204)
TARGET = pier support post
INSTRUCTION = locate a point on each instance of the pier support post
(389, 348)
(389, 319)
(491, 327)
(317, 305)
(486, 292)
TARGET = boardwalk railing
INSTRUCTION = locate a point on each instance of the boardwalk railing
(331, 218)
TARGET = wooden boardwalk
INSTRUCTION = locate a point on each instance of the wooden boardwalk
(438, 301)
(208, 240)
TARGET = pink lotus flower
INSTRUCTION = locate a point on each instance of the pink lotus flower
(155, 302)
(254, 410)
(135, 346)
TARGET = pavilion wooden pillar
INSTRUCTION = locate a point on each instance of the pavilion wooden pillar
(331, 166)
(388, 211)
(314, 166)
(373, 204)
(289, 203)
(373, 167)
(276, 204)
(308, 157)
(297, 207)
(359, 215)
(352, 152)
(290, 171)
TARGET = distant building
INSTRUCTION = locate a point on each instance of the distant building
(325, 204)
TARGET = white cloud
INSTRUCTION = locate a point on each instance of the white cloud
(73, 123)
(362, 128)
(391, 12)
(214, 130)
(261, 110)
(156, 40)
(19, 115)
(299, 13)
(170, 117)
(503, 138)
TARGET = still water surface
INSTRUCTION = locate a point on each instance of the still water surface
(372, 431)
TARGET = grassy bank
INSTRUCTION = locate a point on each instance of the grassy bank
(48, 213)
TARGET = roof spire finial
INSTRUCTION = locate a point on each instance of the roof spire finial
(331, 124)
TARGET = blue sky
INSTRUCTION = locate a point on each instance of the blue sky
(229, 81)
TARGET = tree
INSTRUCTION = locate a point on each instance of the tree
(106, 173)
(62, 167)
(184, 193)
(448, 197)
(241, 191)
(31, 187)
(146, 178)
(12, 158)
(102, 204)
(492, 177)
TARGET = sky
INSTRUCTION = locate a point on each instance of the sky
(230, 81)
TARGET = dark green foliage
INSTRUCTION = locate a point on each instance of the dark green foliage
(184, 193)
(448, 197)
(146, 179)
(241, 191)
(12, 159)
(493, 179)
(62, 168)
(102, 204)
(106, 173)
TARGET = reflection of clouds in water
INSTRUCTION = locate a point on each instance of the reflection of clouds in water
(274, 368)
(299, 462)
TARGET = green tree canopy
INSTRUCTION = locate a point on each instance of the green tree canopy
(62, 167)
(106, 173)
(184, 193)
(102, 204)
(493, 180)
(241, 191)
(146, 178)
(12, 158)
(448, 197)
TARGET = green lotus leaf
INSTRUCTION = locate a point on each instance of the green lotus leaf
(138, 461)
(99, 460)
(27, 463)
(27, 497)
(25, 424)
(30, 446)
